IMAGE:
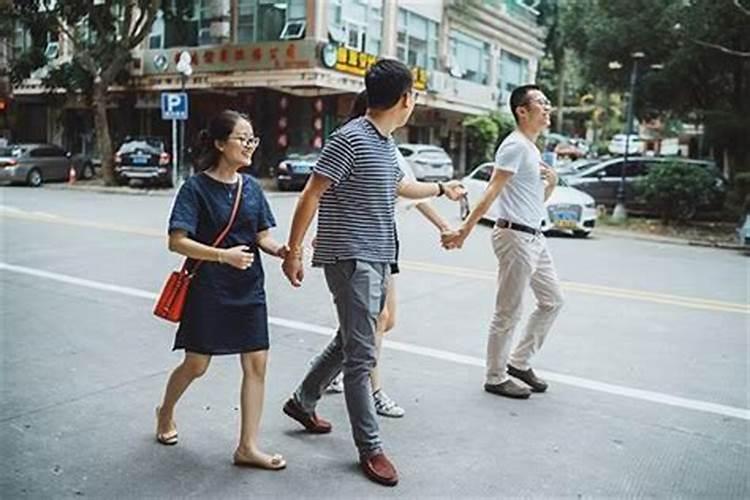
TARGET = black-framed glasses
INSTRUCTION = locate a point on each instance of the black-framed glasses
(248, 142)
(542, 101)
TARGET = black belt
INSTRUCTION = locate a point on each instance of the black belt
(505, 224)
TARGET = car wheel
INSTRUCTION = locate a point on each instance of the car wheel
(581, 234)
(464, 207)
(34, 178)
(87, 171)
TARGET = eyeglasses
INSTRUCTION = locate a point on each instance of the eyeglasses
(542, 101)
(247, 142)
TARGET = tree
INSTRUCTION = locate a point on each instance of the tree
(102, 34)
(698, 83)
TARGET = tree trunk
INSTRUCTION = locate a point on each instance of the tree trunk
(103, 139)
(560, 94)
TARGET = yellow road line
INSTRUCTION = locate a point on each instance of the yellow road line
(661, 298)
(461, 272)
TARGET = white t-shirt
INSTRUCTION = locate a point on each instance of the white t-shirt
(522, 198)
(403, 204)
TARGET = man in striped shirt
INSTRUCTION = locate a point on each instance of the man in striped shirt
(353, 189)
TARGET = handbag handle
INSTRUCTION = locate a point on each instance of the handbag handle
(224, 233)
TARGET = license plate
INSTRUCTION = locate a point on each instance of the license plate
(564, 219)
(139, 159)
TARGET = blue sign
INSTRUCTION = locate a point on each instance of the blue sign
(174, 106)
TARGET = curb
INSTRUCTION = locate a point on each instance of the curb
(268, 187)
(671, 241)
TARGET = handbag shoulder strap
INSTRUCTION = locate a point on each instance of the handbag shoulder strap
(225, 231)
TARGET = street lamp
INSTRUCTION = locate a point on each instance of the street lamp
(185, 68)
(620, 212)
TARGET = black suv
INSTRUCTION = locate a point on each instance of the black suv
(143, 158)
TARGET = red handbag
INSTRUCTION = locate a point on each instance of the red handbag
(171, 300)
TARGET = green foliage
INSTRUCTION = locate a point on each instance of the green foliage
(481, 134)
(676, 190)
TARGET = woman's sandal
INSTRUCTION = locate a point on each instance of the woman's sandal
(277, 462)
(167, 438)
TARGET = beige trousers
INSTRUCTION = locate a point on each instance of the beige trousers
(523, 260)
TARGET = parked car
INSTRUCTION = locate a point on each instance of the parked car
(143, 158)
(566, 147)
(34, 164)
(602, 180)
(293, 171)
(573, 167)
(567, 209)
(429, 163)
(617, 145)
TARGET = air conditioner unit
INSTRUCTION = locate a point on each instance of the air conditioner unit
(293, 30)
(437, 81)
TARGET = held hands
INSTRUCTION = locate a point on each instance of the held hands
(292, 266)
(239, 257)
(282, 252)
(454, 239)
(454, 190)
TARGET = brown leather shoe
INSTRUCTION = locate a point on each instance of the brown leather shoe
(509, 389)
(312, 423)
(529, 378)
(379, 469)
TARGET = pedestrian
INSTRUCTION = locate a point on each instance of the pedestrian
(384, 405)
(225, 309)
(519, 186)
(355, 183)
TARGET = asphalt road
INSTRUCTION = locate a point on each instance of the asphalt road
(648, 369)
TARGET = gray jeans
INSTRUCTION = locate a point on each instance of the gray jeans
(358, 290)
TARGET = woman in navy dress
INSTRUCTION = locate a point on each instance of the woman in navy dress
(225, 310)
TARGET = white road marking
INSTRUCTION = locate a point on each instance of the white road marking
(617, 390)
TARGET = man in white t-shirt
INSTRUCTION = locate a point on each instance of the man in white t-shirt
(520, 184)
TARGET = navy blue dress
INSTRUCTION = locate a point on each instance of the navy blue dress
(225, 309)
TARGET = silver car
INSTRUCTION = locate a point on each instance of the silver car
(34, 164)
(429, 163)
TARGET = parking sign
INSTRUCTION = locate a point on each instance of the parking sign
(174, 106)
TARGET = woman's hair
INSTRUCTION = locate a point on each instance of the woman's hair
(359, 106)
(219, 129)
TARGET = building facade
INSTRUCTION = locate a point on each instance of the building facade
(295, 66)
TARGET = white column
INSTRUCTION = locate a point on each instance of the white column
(317, 20)
(390, 28)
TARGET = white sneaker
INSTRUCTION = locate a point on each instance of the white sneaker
(337, 385)
(387, 407)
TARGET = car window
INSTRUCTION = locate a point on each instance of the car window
(483, 174)
(10, 151)
(143, 145)
(406, 152)
(55, 151)
(39, 152)
(636, 169)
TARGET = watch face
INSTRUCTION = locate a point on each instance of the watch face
(328, 55)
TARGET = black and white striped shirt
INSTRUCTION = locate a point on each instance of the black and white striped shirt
(356, 215)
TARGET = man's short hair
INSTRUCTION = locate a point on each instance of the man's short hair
(518, 97)
(386, 81)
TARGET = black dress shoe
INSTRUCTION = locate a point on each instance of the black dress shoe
(529, 378)
(509, 389)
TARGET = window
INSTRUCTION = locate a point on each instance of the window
(357, 24)
(156, 38)
(512, 72)
(46, 152)
(246, 20)
(484, 173)
(469, 57)
(417, 40)
(406, 152)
